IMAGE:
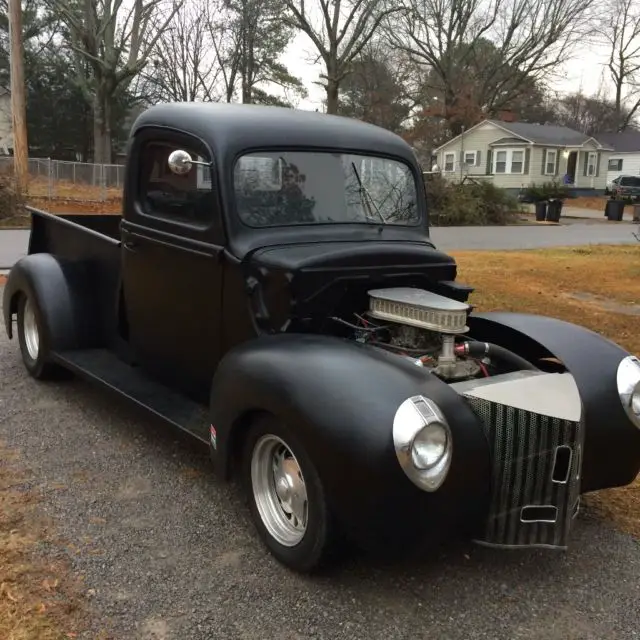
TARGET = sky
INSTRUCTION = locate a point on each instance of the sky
(583, 72)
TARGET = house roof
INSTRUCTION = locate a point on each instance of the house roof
(623, 142)
(544, 133)
(552, 135)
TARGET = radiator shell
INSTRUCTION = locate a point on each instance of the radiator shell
(529, 450)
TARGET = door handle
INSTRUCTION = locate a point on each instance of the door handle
(131, 245)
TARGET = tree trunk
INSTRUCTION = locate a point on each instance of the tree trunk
(246, 88)
(333, 90)
(101, 129)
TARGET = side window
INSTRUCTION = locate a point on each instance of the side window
(186, 199)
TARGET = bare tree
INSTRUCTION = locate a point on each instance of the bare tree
(111, 47)
(480, 54)
(620, 31)
(346, 26)
(180, 68)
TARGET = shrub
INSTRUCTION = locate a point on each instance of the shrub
(12, 204)
(545, 191)
(469, 203)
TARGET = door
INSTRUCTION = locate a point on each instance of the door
(172, 280)
(572, 162)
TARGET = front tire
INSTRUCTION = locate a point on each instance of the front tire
(286, 497)
(33, 340)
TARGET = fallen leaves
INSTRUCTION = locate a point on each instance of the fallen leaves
(38, 599)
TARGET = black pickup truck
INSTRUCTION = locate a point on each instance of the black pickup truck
(271, 288)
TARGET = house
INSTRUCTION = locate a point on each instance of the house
(6, 123)
(514, 155)
(625, 158)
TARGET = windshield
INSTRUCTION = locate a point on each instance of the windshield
(275, 188)
(629, 181)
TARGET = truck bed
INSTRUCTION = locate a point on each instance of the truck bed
(93, 241)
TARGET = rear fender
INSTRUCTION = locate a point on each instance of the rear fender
(64, 296)
(340, 399)
(612, 443)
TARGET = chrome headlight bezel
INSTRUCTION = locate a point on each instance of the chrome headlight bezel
(628, 381)
(415, 418)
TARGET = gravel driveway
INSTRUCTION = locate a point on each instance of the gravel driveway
(170, 553)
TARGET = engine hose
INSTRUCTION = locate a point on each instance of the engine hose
(481, 349)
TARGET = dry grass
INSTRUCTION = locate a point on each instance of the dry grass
(597, 203)
(69, 197)
(76, 206)
(39, 599)
(543, 281)
(67, 190)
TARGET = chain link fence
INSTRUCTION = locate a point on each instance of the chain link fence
(80, 181)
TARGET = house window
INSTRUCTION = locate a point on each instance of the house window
(615, 164)
(517, 161)
(449, 161)
(471, 158)
(204, 175)
(551, 162)
(508, 161)
(591, 163)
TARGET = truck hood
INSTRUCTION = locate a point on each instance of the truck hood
(316, 279)
(343, 256)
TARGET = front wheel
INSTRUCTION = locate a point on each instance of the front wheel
(286, 497)
(33, 341)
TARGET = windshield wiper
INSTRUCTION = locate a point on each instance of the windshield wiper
(365, 194)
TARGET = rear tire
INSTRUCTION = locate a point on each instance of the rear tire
(286, 497)
(33, 340)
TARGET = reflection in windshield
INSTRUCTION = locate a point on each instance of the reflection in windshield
(288, 188)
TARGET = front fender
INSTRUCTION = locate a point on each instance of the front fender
(611, 454)
(340, 397)
(64, 294)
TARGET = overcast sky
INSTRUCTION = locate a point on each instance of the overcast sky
(299, 58)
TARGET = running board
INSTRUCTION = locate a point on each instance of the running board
(105, 368)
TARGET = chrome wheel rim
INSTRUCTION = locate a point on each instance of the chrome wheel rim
(30, 328)
(279, 490)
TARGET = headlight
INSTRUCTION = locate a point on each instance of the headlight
(422, 439)
(628, 380)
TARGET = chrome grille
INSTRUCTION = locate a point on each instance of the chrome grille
(532, 454)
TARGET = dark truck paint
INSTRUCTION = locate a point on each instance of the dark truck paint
(221, 314)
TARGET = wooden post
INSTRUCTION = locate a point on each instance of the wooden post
(18, 103)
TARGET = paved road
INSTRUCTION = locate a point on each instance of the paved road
(170, 553)
(532, 237)
(13, 244)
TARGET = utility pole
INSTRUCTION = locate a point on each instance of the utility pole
(18, 103)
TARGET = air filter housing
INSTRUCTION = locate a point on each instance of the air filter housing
(419, 308)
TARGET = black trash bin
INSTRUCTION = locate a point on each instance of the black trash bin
(541, 211)
(554, 210)
(614, 210)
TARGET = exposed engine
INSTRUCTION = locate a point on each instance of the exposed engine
(420, 325)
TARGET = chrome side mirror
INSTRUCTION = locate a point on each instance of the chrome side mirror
(180, 162)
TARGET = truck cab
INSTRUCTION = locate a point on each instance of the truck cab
(226, 220)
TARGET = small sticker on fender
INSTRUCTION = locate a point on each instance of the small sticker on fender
(213, 436)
